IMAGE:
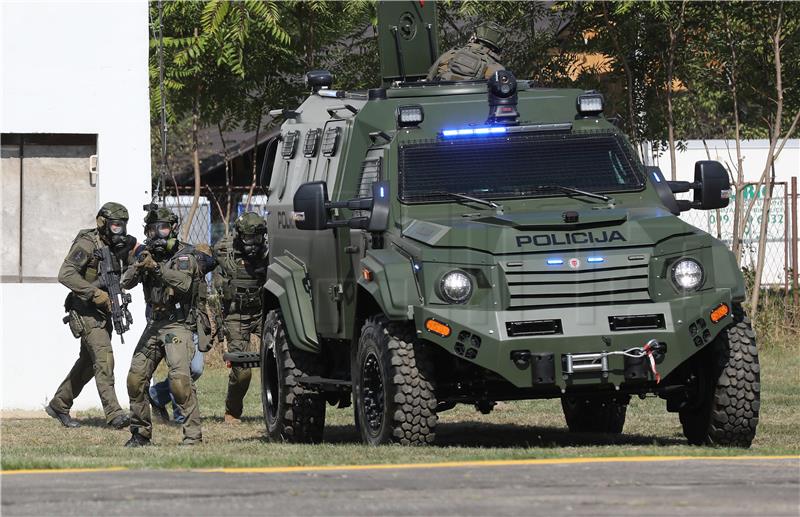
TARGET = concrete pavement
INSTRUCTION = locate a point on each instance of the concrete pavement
(758, 486)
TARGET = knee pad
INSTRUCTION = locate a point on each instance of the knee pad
(136, 386)
(181, 387)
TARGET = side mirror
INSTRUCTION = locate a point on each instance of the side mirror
(711, 185)
(311, 207)
(310, 211)
(379, 219)
(715, 186)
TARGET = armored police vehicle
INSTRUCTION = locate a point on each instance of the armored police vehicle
(443, 243)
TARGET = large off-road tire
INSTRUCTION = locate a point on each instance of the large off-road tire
(292, 412)
(393, 390)
(595, 415)
(728, 395)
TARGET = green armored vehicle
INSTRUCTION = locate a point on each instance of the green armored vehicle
(437, 243)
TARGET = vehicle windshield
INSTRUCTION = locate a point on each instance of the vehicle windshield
(516, 166)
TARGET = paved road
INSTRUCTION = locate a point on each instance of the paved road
(763, 487)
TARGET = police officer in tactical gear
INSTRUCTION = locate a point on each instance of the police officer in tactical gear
(478, 59)
(239, 279)
(169, 273)
(89, 306)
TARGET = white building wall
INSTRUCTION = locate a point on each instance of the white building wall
(73, 67)
(724, 151)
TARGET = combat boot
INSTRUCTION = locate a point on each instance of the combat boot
(230, 419)
(188, 442)
(120, 422)
(64, 418)
(137, 440)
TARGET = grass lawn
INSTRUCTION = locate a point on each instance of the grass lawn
(528, 429)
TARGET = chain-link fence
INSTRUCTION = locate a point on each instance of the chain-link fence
(257, 204)
(200, 229)
(719, 223)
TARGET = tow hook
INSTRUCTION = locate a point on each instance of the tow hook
(521, 358)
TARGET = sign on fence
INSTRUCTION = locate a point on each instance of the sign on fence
(719, 223)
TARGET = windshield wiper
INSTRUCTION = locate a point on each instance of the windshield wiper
(465, 197)
(572, 190)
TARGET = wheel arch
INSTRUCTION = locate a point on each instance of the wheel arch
(286, 289)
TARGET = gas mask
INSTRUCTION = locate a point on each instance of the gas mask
(160, 238)
(251, 243)
(115, 231)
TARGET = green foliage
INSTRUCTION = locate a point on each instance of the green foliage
(715, 42)
(237, 60)
(530, 40)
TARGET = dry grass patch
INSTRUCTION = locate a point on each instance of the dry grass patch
(527, 429)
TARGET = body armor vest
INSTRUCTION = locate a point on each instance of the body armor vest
(164, 300)
(244, 281)
(472, 61)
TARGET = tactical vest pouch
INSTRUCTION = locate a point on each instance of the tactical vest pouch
(76, 325)
(467, 64)
(247, 298)
(204, 337)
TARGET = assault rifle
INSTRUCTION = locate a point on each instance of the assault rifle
(110, 273)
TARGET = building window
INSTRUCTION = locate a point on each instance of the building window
(49, 193)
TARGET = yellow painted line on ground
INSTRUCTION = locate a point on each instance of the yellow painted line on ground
(409, 466)
(487, 463)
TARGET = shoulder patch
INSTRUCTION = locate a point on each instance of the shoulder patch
(184, 263)
(78, 257)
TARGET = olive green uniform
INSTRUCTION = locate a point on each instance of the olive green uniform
(474, 60)
(96, 358)
(171, 293)
(239, 280)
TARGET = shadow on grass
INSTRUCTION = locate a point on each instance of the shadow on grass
(502, 436)
(94, 421)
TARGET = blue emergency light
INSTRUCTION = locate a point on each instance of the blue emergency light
(479, 131)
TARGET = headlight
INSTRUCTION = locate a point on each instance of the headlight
(455, 287)
(687, 274)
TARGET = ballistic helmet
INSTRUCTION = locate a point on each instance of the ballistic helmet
(250, 223)
(250, 230)
(112, 222)
(489, 33)
(161, 215)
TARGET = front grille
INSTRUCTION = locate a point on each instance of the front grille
(542, 288)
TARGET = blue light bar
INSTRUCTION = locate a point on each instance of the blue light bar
(595, 259)
(480, 131)
(555, 261)
(382, 193)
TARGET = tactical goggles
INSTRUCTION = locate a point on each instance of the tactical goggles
(160, 230)
(252, 238)
(117, 227)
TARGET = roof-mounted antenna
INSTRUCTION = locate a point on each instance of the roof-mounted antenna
(400, 63)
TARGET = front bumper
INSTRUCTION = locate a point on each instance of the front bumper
(687, 328)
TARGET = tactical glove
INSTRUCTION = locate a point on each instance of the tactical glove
(101, 299)
(147, 262)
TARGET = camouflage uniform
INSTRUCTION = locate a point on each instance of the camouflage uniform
(170, 279)
(89, 318)
(239, 279)
(478, 59)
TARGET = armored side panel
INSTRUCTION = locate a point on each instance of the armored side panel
(312, 148)
(407, 39)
